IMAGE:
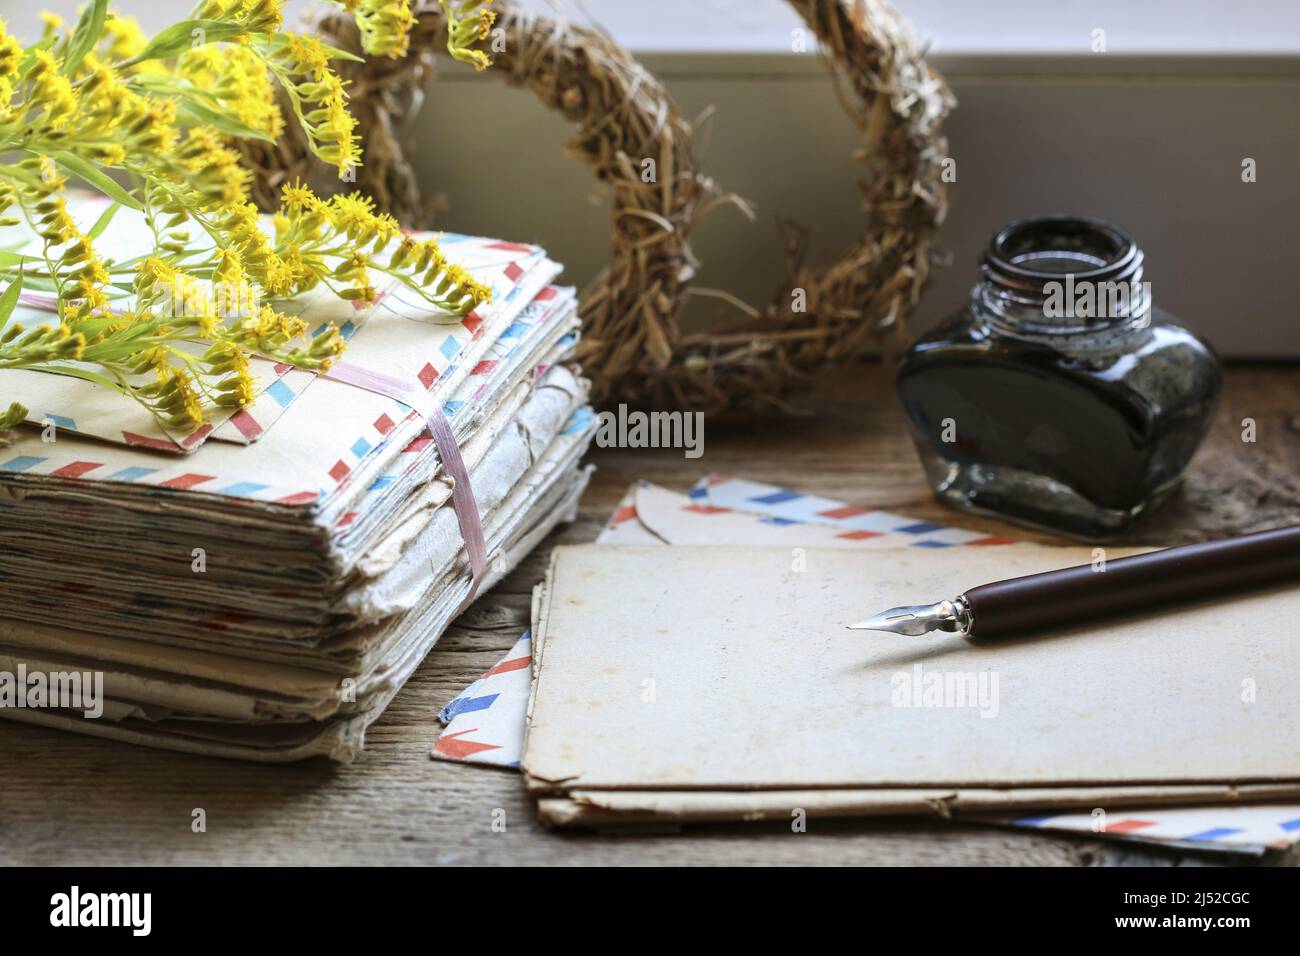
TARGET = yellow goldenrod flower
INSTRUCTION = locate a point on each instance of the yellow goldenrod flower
(123, 37)
(256, 16)
(306, 56)
(11, 52)
(468, 23)
(385, 26)
(296, 196)
(168, 121)
(237, 79)
(229, 270)
(228, 362)
(172, 395)
(13, 416)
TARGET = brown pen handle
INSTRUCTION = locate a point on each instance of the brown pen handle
(1131, 584)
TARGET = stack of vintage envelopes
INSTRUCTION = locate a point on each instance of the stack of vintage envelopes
(262, 587)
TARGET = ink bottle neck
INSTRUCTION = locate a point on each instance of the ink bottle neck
(1062, 280)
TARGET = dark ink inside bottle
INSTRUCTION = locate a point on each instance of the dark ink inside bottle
(1059, 397)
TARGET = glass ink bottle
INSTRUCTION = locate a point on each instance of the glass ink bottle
(1059, 397)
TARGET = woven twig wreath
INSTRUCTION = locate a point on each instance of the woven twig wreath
(633, 347)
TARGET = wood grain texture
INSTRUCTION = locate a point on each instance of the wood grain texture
(75, 800)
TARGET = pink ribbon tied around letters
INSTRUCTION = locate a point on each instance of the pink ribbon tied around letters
(462, 494)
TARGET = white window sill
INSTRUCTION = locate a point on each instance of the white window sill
(967, 28)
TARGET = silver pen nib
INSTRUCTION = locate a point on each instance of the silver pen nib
(917, 619)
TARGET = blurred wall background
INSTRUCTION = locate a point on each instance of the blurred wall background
(1150, 133)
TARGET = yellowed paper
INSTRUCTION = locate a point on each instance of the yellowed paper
(663, 671)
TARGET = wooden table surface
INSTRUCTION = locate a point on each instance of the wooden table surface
(77, 800)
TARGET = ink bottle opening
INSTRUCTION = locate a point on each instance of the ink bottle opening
(1059, 397)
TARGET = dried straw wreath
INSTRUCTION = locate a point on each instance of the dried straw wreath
(633, 346)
